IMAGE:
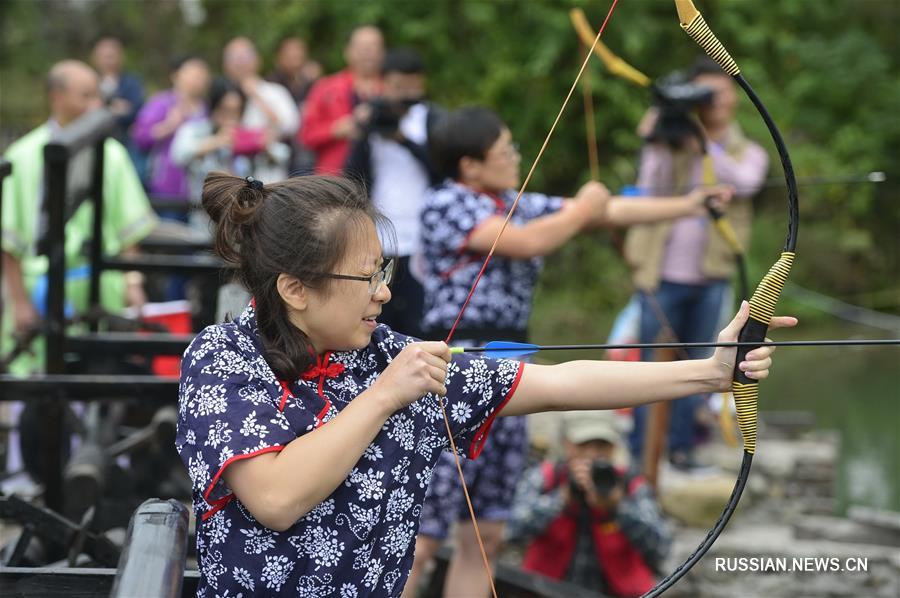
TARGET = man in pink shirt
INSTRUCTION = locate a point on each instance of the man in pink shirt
(683, 268)
(336, 104)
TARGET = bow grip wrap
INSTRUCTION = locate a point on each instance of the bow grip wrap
(695, 26)
(762, 308)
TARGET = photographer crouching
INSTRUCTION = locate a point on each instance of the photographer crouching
(586, 519)
(390, 157)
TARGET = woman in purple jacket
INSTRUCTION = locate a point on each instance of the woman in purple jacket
(161, 117)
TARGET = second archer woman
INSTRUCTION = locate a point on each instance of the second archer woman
(474, 149)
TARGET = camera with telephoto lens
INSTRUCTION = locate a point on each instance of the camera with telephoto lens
(676, 98)
(605, 478)
(386, 114)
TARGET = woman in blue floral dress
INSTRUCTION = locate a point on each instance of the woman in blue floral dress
(310, 431)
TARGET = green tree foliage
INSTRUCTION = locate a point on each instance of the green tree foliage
(827, 70)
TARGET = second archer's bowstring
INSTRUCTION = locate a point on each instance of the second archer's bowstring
(589, 122)
(667, 331)
(481, 273)
(531, 170)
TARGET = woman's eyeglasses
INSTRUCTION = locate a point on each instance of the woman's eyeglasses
(385, 276)
(509, 151)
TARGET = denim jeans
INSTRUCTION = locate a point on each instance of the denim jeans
(694, 313)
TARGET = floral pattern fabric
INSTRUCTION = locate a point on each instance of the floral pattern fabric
(503, 298)
(491, 480)
(360, 540)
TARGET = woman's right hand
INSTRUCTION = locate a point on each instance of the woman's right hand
(591, 200)
(419, 369)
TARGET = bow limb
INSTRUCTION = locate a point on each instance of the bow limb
(531, 170)
(616, 65)
(659, 413)
(764, 299)
(720, 222)
(723, 226)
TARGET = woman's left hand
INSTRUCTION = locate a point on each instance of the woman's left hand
(758, 361)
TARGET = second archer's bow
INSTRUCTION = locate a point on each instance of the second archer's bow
(625, 70)
(764, 299)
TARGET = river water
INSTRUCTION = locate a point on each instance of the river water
(855, 391)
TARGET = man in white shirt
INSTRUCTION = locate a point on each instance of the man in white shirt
(269, 105)
(391, 159)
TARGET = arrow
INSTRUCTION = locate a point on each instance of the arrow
(875, 177)
(850, 179)
(510, 349)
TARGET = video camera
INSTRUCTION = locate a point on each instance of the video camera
(676, 98)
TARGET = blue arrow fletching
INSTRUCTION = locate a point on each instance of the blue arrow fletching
(509, 349)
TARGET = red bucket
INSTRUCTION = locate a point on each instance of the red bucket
(175, 316)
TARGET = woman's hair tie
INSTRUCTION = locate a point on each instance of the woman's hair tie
(254, 184)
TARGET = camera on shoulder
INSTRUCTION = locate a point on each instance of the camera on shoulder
(676, 94)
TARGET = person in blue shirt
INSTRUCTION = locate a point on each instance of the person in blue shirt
(310, 431)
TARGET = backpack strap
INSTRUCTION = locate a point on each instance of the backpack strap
(553, 473)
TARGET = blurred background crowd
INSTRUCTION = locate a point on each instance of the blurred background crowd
(276, 89)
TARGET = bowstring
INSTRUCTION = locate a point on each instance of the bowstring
(590, 133)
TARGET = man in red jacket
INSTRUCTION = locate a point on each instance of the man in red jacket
(586, 520)
(336, 104)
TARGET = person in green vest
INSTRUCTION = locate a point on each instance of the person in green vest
(72, 91)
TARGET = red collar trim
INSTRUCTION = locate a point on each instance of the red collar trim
(322, 369)
(499, 204)
(498, 201)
